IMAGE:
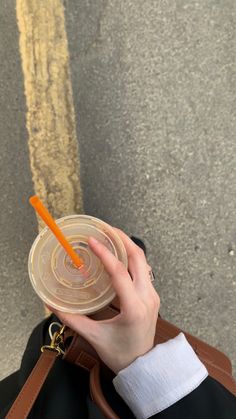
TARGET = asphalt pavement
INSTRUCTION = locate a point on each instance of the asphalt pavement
(154, 89)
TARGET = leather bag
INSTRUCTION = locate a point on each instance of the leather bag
(79, 352)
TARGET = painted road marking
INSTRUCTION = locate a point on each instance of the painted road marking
(53, 147)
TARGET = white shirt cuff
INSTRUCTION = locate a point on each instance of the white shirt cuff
(160, 378)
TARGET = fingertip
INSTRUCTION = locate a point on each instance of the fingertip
(92, 241)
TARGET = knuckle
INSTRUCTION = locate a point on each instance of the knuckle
(120, 269)
(140, 253)
(141, 313)
(156, 301)
(156, 304)
(153, 302)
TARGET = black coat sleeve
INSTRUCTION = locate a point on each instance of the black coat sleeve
(208, 401)
(65, 392)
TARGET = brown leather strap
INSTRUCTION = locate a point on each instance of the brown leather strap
(79, 352)
(26, 398)
(97, 394)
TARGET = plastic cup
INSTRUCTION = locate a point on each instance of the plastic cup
(55, 278)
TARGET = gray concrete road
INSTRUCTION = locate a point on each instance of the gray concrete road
(20, 309)
(154, 94)
(155, 91)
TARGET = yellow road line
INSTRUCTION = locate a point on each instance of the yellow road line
(53, 148)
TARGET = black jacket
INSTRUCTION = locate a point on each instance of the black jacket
(65, 394)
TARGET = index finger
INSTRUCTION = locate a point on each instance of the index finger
(121, 279)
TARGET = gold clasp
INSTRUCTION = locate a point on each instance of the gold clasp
(57, 339)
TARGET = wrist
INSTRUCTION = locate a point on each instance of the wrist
(125, 362)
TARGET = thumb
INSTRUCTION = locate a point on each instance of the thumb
(81, 324)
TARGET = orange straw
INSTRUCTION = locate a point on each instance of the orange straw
(47, 218)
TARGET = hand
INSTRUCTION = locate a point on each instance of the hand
(120, 340)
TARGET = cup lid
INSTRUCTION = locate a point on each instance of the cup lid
(62, 285)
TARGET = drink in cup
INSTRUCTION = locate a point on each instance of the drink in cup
(56, 279)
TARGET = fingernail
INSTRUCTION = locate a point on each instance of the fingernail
(93, 240)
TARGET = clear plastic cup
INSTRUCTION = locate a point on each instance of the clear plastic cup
(55, 278)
